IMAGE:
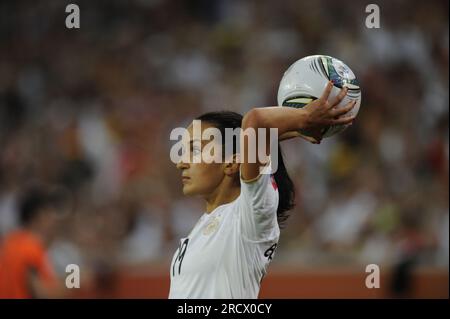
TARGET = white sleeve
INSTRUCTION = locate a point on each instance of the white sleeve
(258, 208)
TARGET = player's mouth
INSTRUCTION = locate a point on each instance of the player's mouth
(184, 179)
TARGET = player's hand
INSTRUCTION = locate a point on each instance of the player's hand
(315, 139)
(293, 134)
(288, 135)
(322, 113)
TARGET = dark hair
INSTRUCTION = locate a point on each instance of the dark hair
(286, 190)
(33, 200)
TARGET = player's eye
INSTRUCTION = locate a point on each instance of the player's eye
(196, 151)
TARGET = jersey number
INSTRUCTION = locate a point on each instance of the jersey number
(269, 252)
(180, 256)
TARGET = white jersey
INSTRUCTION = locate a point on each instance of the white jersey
(227, 252)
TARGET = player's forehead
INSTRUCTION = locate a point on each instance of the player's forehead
(199, 124)
(199, 137)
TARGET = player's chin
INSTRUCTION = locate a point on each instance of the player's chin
(188, 190)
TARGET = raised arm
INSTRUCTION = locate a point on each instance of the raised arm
(288, 121)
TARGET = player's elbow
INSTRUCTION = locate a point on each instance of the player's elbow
(254, 118)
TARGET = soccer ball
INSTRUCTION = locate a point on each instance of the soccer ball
(306, 79)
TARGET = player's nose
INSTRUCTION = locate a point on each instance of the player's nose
(182, 165)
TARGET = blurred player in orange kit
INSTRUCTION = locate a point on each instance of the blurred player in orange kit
(25, 268)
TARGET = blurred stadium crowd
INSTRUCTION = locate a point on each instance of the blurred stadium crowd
(91, 110)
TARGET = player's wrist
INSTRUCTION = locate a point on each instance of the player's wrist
(303, 119)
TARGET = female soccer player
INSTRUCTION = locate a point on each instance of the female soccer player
(228, 251)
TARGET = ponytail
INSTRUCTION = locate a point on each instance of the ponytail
(286, 190)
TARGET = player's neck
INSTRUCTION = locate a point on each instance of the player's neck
(221, 196)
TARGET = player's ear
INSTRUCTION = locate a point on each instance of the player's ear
(231, 167)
